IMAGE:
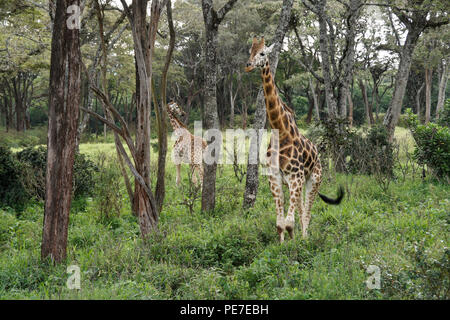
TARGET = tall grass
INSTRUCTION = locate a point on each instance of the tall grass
(231, 253)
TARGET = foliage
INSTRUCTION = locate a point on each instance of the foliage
(444, 116)
(354, 151)
(433, 146)
(36, 160)
(12, 190)
(107, 193)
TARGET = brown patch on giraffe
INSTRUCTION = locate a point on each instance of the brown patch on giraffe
(304, 155)
(286, 140)
(283, 161)
(308, 162)
(271, 103)
(268, 89)
(286, 121)
(274, 114)
(275, 123)
(292, 131)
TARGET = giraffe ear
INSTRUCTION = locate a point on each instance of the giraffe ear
(269, 49)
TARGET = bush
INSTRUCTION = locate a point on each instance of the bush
(432, 146)
(364, 152)
(107, 194)
(444, 116)
(12, 190)
(35, 159)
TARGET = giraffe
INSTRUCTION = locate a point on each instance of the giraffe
(297, 164)
(187, 148)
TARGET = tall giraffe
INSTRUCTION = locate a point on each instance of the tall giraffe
(298, 160)
(187, 148)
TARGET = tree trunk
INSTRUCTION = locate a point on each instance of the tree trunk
(212, 20)
(65, 89)
(401, 79)
(428, 84)
(442, 87)
(161, 116)
(252, 181)
(350, 108)
(418, 109)
(369, 114)
(314, 96)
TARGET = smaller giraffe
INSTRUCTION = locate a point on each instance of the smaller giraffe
(187, 148)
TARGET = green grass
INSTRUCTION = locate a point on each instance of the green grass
(232, 253)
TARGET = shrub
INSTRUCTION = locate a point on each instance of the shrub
(444, 116)
(35, 159)
(107, 194)
(432, 146)
(12, 190)
(366, 152)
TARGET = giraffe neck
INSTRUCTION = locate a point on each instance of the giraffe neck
(277, 113)
(175, 122)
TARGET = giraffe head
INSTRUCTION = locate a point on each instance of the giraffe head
(258, 54)
(175, 109)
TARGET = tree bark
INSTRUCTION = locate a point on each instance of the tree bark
(428, 84)
(350, 108)
(162, 117)
(369, 114)
(442, 87)
(212, 20)
(65, 89)
(418, 109)
(401, 80)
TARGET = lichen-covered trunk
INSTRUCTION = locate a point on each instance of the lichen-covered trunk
(401, 80)
(65, 86)
(428, 83)
(211, 117)
(442, 87)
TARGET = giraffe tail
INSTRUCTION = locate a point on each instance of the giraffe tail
(334, 201)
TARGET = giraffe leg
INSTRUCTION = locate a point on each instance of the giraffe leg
(193, 175)
(277, 192)
(178, 179)
(295, 201)
(312, 188)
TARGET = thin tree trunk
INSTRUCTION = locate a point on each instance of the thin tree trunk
(212, 20)
(369, 114)
(350, 108)
(428, 84)
(65, 90)
(418, 109)
(314, 96)
(161, 115)
(442, 87)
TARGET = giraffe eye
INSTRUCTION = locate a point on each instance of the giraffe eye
(262, 54)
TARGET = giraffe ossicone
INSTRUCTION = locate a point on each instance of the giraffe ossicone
(298, 159)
